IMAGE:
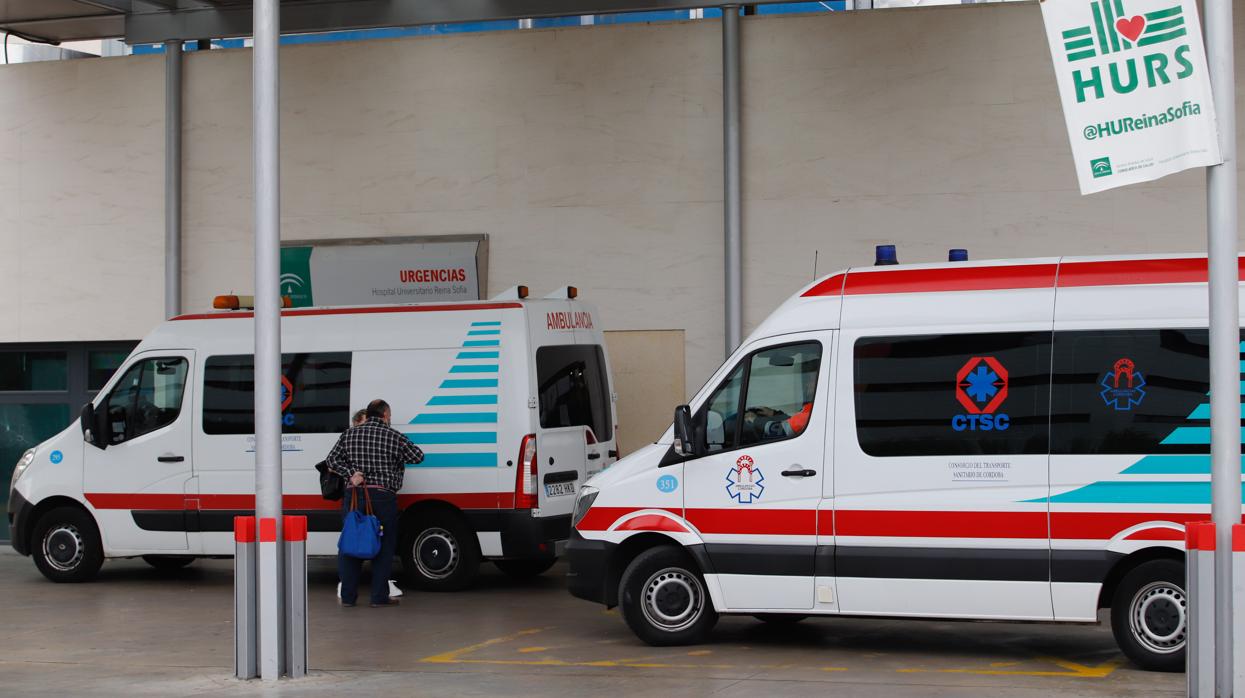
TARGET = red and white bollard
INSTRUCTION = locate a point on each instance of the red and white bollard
(1238, 608)
(1200, 577)
(295, 532)
(244, 650)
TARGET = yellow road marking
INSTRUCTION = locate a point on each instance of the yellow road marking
(1072, 670)
(834, 668)
(525, 650)
(699, 653)
(455, 655)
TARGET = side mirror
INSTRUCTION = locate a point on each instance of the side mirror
(94, 426)
(685, 444)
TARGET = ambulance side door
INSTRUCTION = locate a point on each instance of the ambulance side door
(754, 495)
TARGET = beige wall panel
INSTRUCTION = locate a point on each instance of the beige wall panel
(648, 377)
(589, 155)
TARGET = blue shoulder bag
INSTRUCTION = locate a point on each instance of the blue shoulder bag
(361, 531)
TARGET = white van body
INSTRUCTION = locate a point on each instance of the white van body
(929, 481)
(470, 383)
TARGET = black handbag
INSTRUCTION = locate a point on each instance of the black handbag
(332, 486)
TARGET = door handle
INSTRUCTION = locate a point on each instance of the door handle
(593, 456)
(170, 459)
(799, 472)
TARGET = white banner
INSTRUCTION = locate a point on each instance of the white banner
(1135, 89)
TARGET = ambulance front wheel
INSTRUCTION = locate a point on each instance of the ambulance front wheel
(439, 552)
(662, 597)
(66, 546)
(1149, 615)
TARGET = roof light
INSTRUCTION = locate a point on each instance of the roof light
(957, 254)
(231, 302)
(885, 255)
(569, 292)
(572, 292)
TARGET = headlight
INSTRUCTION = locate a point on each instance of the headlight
(583, 502)
(22, 463)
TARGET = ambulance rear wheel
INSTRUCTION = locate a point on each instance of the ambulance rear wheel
(1149, 615)
(439, 552)
(66, 545)
(663, 598)
(525, 569)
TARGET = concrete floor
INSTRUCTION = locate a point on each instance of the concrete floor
(137, 632)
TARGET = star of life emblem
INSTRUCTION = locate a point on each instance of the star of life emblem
(744, 481)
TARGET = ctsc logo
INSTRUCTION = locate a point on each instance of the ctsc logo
(1139, 47)
(981, 387)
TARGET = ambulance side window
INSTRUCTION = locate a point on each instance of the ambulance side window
(148, 397)
(953, 394)
(315, 393)
(719, 417)
(1131, 392)
(574, 390)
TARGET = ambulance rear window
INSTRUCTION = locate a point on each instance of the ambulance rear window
(574, 390)
(315, 393)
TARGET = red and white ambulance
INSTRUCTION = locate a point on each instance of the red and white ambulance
(1004, 440)
(510, 400)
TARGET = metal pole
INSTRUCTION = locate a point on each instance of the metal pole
(1225, 401)
(172, 179)
(267, 138)
(730, 157)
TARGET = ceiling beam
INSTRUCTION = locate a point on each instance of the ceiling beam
(333, 15)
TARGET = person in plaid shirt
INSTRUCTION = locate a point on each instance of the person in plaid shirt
(373, 455)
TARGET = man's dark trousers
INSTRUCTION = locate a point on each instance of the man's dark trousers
(385, 507)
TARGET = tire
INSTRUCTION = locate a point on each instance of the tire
(1149, 615)
(779, 618)
(66, 547)
(439, 553)
(664, 600)
(167, 563)
(525, 568)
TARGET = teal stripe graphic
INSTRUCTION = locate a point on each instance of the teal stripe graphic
(1073, 33)
(456, 418)
(481, 343)
(1155, 27)
(1119, 12)
(1149, 39)
(477, 333)
(1138, 493)
(486, 324)
(453, 437)
(1164, 14)
(463, 400)
(1190, 464)
(1081, 55)
(477, 354)
(1109, 19)
(1190, 435)
(474, 368)
(1102, 33)
(1087, 42)
(469, 383)
(457, 460)
(1202, 411)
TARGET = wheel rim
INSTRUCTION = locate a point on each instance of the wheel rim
(673, 599)
(1158, 617)
(62, 547)
(436, 553)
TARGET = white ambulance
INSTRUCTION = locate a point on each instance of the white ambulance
(1007, 440)
(510, 400)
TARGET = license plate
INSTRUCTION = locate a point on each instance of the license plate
(560, 489)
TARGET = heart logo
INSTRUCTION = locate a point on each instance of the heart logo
(1131, 28)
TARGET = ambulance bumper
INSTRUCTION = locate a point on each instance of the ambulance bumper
(19, 522)
(524, 535)
(588, 562)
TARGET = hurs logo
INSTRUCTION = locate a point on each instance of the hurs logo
(981, 388)
(1123, 386)
(744, 481)
(1142, 48)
